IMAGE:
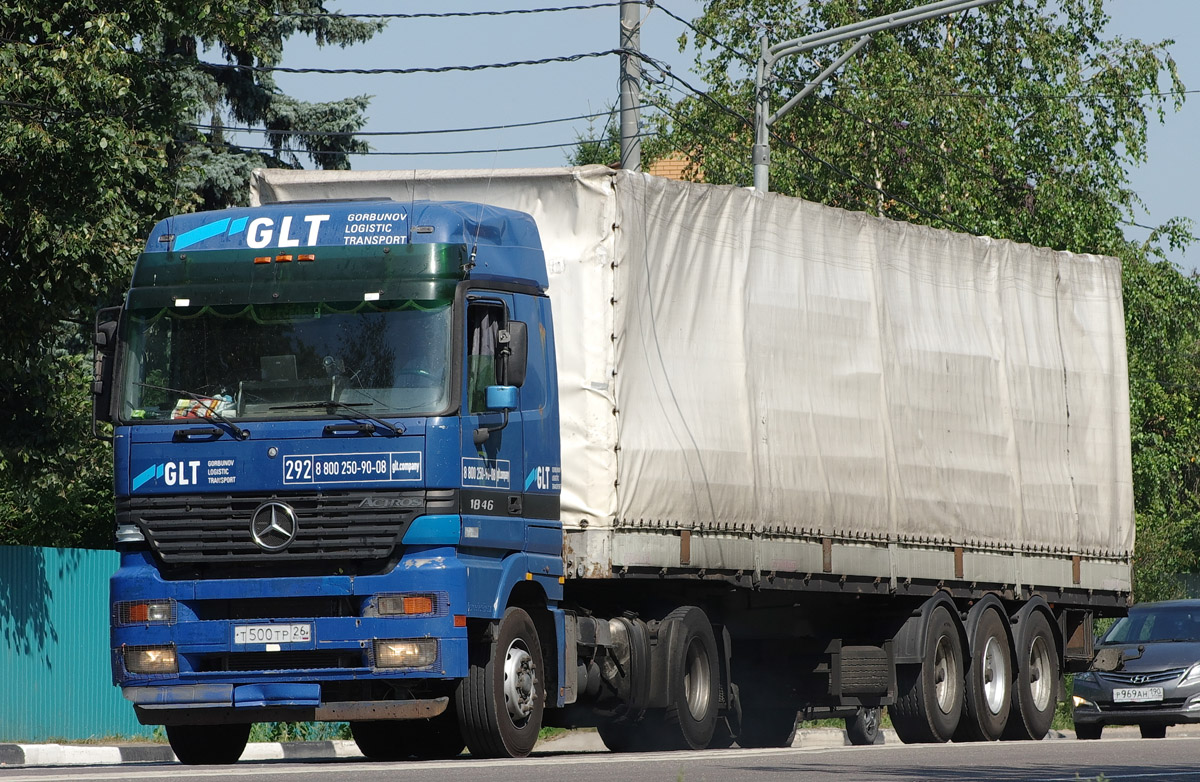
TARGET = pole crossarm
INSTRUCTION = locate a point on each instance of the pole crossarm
(764, 119)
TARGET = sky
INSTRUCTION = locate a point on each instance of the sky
(535, 93)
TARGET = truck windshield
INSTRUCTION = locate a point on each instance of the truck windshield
(265, 360)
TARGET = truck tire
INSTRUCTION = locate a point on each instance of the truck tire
(644, 735)
(1088, 732)
(863, 728)
(500, 702)
(989, 680)
(767, 727)
(208, 745)
(930, 695)
(693, 686)
(1035, 693)
(432, 739)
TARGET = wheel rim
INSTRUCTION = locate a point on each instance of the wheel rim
(1040, 675)
(696, 676)
(870, 720)
(945, 671)
(995, 675)
(520, 682)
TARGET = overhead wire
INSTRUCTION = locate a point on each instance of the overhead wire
(449, 14)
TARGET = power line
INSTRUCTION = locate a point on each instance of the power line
(399, 71)
(349, 133)
(408, 153)
(449, 14)
(735, 52)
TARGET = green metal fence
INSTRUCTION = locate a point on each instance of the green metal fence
(55, 681)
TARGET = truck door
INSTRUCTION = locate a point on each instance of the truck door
(492, 470)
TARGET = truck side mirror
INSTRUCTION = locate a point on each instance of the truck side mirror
(501, 398)
(104, 348)
(516, 338)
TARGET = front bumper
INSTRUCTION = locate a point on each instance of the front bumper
(1179, 705)
(218, 704)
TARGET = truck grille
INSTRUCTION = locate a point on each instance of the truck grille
(281, 661)
(331, 528)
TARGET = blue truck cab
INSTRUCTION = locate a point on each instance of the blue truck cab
(337, 477)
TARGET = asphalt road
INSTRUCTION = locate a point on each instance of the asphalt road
(1162, 760)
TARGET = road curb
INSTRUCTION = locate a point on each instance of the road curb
(87, 755)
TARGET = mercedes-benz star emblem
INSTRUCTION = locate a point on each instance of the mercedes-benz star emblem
(273, 526)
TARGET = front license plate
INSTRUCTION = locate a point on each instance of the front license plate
(1138, 695)
(272, 634)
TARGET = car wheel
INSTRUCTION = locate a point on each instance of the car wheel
(1088, 732)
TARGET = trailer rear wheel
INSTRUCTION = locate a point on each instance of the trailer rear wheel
(930, 698)
(989, 681)
(432, 739)
(1036, 692)
(500, 701)
(693, 687)
(208, 745)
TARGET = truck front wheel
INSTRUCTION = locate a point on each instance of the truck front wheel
(500, 701)
(208, 745)
(432, 739)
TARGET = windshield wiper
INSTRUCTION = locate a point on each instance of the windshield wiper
(331, 406)
(210, 411)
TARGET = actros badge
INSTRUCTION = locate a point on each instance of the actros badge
(273, 526)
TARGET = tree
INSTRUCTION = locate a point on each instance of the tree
(1019, 120)
(99, 137)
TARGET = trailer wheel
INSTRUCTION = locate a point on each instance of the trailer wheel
(930, 698)
(989, 681)
(437, 738)
(208, 745)
(693, 687)
(500, 701)
(1036, 692)
(863, 728)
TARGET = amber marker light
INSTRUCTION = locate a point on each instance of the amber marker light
(281, 258)
(304, 257)
(263, 259)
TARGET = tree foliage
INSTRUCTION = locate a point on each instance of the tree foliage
(1020, 120)
(107, 112)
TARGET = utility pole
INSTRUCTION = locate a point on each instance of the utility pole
(764, 119)
(631, 85)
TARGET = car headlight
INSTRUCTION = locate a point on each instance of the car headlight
(1192, 676)
(1087, 677)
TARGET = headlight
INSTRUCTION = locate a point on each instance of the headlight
(1192, 676)
(150, 659)
(410, 653)
(1087, 677)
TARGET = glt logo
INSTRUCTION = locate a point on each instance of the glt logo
(259, 232)
(170, 473)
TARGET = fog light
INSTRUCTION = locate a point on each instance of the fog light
(150, 659)
(1079, 702)
(405, 605)
(412, 653)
